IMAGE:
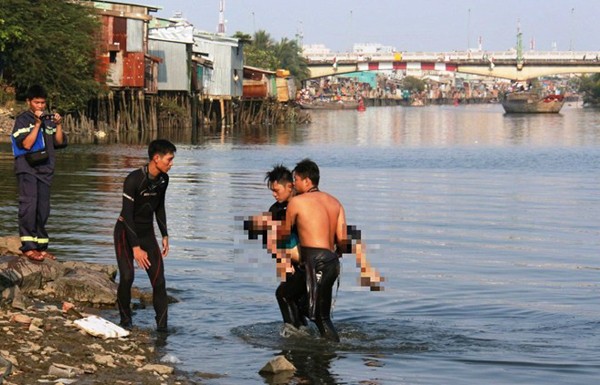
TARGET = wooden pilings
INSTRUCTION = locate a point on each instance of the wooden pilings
(133, 110)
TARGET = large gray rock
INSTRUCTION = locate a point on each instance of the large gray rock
(87, 283)
(84, 285)
(28, 275)
(10, 245)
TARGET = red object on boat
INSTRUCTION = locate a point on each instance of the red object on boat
(361, 105)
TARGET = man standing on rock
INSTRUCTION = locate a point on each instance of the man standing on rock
(35, 136)
(143, 199)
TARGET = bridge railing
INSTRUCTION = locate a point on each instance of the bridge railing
(454, 56)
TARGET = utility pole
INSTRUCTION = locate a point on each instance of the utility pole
(519, 46)
(571, 31)
(469, 30)
(221, 26)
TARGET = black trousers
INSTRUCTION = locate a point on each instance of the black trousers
(291, 297)
(322, 270)
(34, 210)
(156, 273)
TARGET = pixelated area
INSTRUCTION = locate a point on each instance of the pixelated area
(257, 227)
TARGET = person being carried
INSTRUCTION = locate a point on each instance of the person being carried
(35, 136)
(321, 223)
(143, 199)
(291, 292)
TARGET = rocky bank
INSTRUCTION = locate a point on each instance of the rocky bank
(39, 342)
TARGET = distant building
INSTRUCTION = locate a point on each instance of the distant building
(123, 52)
(372, 48)
(181, 68)
(191, 60)
(315, 49)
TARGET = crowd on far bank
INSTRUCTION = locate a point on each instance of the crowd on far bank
(434, 89)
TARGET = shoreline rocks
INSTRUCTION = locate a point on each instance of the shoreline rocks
(41, 341)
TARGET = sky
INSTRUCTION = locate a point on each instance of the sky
(415, 25)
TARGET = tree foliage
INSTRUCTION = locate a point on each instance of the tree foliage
(264, 52)
(589, 86)
(51, 43)
(413, 84)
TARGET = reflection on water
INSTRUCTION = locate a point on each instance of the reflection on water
(484, 224)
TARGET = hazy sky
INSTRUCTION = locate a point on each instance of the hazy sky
(416, 25)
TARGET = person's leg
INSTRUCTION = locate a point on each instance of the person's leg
(156, 273)
(126, 274)
(329, 273)
(43, 212)
(27, 185)
(287, 295)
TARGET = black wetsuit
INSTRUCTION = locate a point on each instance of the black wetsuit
(34, 180)
(322, 270)
(291, 294)
(143, 198)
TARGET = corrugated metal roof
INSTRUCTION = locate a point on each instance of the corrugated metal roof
(151, 8)
(181, 34)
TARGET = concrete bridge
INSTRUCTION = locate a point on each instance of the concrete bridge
(504, 64)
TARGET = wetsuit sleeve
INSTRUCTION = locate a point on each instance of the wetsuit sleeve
(161, 214)
(127, 213)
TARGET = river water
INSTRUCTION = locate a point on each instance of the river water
(485, 226)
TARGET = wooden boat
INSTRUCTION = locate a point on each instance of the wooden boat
(532, 102)
(329, 105)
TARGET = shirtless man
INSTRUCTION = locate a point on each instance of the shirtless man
(321, 223)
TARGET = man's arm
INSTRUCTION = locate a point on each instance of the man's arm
(31, 137)
(161, 220)
(343, 243)
(59, 136)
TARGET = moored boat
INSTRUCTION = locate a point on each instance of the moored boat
(532, 102)
(329, 105)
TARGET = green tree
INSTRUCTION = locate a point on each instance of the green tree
(51, 43)
(289, 55)
(413, 84)
(589, 87)
(264, 52)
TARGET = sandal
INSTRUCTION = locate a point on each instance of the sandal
(48, 255)
(33, 255)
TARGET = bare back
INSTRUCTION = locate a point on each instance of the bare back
(318, 217)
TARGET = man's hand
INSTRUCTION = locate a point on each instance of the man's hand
(141, 257)
(57, 118)
(165, 243)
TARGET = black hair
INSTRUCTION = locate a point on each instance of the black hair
(306, 168)
(279, 174)
(36, 91)
(160, 146)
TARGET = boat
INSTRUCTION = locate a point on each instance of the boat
(329, 105)
(532, 102)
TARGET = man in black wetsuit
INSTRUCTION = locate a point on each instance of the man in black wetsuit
(291, 293)
(143, 199)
